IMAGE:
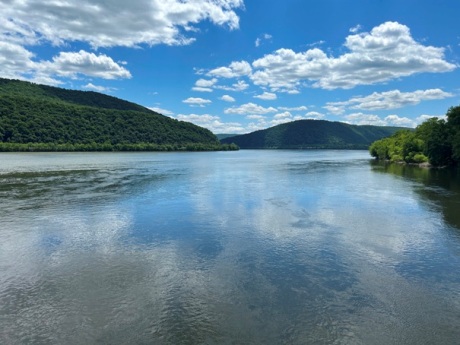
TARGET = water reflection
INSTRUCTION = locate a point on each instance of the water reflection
(247, 247)
(439, 186)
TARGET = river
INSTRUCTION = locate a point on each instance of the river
(246, 247)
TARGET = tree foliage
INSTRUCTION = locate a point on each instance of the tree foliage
(37, 117)
(435, 140)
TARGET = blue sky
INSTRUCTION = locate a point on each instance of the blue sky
(235, 66)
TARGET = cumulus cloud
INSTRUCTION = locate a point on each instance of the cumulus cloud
(249, 109)
(18, 62)
(196, 101)
(387, 100)
(284, 115)
(234, 70)
(385, 53)
(395, 120)
(71, 64)
(241, 85)
(227, 98)
(314, 115)
(370, 119)
(204, 85)
(267, 96)
(27, 23)
(130, 23)
(335, 108)
(213, 123)
(15, 59)
(205, 82)
(364, 119)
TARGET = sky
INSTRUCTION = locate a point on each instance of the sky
(236, 66)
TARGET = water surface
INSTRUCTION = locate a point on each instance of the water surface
(248, 247)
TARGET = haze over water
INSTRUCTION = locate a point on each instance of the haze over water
(247, 247)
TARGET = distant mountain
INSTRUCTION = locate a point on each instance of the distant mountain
(78, 120)
(304, 134)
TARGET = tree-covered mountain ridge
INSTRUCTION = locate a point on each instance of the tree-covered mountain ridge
(40, 117)
(304, 134)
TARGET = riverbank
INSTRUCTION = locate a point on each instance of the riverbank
(107, 147)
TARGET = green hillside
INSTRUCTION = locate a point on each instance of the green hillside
(39, 117)
(312, 134)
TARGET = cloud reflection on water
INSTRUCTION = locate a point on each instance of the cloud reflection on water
(275, 246)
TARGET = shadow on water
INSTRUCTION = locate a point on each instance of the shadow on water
(439, 186)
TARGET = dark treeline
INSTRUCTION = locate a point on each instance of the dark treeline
(435, 141)
(43, 118)
(53, 147)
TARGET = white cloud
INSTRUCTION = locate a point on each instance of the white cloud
(387, 52)
(205, 82)
(227, 98)
(17, 62)
(15, 59)
(234, 70)
(255, 117)
(196, 101)
(241, 85)
(267, 96)
(204, 85)
(301, 108)
(162, 111)
(387, 100)
(364, 119)
(395, 120)
(284, 115)
(356, 29)
(314, 115)
(335, 108)
(288, 117)
(202, 89)
(255, 126)
(370, 119)
(98, 88)
(423, 118)
(249, 109)
(130, 23)
(213, 123)
(72, 64)
(259, 40)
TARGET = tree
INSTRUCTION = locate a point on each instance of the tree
(453, 118)
(437, 145)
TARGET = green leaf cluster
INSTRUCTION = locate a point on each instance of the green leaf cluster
(435, 141)
(49, 118)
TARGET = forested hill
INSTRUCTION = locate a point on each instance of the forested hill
(63, 119)
(312, 134)
(10, 87)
